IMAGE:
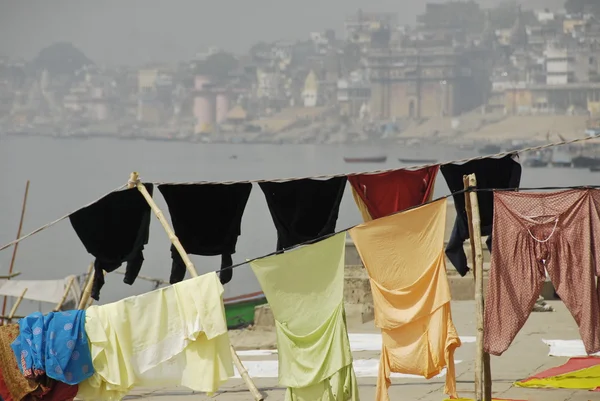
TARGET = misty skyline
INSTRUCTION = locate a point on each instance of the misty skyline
(140, 31)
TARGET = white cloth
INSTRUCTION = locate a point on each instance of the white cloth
(50, 291)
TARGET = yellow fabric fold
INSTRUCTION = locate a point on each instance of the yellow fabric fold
(584, 379)
(173, 336)
(305, 289)
(404, 257)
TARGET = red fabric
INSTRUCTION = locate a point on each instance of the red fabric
(387, 193)
(61, 392)
(572, 365)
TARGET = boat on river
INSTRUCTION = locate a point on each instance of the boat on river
(365, 159)
(418, 161)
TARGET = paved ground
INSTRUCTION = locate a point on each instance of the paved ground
(527, 355)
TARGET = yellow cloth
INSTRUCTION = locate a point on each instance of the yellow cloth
(173, 336)
(584, 379)
(404, 257)
(305, 289)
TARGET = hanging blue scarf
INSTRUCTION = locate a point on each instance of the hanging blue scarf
(55, 345)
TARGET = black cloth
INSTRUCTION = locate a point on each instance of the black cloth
(114, 230)
(305, 209)
(207, 219)
(498, 173)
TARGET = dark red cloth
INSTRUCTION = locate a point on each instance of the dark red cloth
(387, 193)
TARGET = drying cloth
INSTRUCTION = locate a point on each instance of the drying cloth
(55, 345)
(114, 230)
(404, 257)
(303, 210)
(50, 291)
(315, 361)
(535, 233)
(490, 172)
(576, 374)
(14, 386)
(173, 336)
(207, 219)
(379, 195)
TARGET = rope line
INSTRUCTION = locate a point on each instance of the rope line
(37, 230)
(497, 155)
(417, 167)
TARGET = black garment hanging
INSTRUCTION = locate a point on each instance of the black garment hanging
(305, 209)
(207, 219)
(114, 230)
(500, 173)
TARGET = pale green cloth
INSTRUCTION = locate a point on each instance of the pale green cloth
(305, 289)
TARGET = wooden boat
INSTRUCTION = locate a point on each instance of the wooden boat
(585, 161)
(367, 159)
(239, 311)
(535, 162)
(490, 150)
(417, 161)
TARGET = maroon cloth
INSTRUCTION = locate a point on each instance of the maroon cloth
(532, 232)
(394, 191)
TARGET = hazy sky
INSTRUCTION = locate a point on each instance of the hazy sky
(137, 31)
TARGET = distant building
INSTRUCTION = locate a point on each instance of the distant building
(353, 94)
(310, 94)
(425, 82)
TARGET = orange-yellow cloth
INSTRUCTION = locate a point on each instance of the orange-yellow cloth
(404, 257)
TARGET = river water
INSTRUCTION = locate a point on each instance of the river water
(68, 173)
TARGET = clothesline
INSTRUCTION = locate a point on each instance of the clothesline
(497, 155)
(371, 172)
(463, 191)
(66, 216)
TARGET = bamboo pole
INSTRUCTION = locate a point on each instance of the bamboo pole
(65, 294)
(16, 305)
(88, 289)
(134, 182)
(482, 381)
(14, 254)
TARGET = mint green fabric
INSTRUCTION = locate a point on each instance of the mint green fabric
(305, 289)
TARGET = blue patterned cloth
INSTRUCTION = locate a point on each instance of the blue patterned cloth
(56, 345)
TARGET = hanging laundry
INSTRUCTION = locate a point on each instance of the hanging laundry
(173, 336)
(304, 209)
(114, 230)
(497, 173)
(404, 257)
(207, 219)
(16, 387)
(315, 361)
(557, 232)
(379, 195)
(54, 345)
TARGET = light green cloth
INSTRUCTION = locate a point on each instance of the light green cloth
(305, 289)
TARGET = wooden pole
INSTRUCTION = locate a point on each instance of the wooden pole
(88, 289)
(16, 305)
(14, 254)
(134, 182)
(482, 381)
(65, 295)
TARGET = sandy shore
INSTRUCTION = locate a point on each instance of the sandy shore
(527, 355)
